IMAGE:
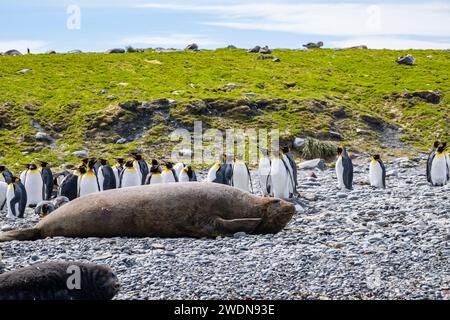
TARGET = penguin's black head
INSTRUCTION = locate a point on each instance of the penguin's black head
(189, 169)
(376, 157)
(82, 169)
(169, 165)
(129, 164)
(120, 160)
(32, 166)
(340, 150)
(2, 168)
(104, 162)
(155, 162)
(285, 149)
(436, 144)
(441, 147)
(14, 179)
(85, 161)
(92, 163)
(44, 164)
(27, 166)
(444, 144)
(154, 169)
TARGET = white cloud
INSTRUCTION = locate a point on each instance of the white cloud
(22, 45)
(334, 19)
(176, 40)
(390, 43)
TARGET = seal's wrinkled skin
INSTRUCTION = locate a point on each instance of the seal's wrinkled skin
(192, 209)
(48, 281)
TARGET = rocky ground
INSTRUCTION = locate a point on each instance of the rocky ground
(363, 244)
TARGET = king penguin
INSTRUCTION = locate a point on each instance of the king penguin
(430, 159)
(140, 165)
(279, 176)
(178, 167)
(377, 172)
(69, 185)
(440, 171)
(16, 198)
(87, 182)
(117, 169)
(241, 175)
(130, 177)
(23, 173)
(264, 173)
(34, 185)
(47, 177)
(154, 177)
(106, 177)
(221, 172)
(168, 174)
(289, 160)
(344, 169)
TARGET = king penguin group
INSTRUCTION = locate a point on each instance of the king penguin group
(37, 187)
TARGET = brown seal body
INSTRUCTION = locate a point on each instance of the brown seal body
(52, 281)
(192, 209)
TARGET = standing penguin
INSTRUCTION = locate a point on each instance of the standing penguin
(377, 172)
(140, 165)
(440, 170)
(221, 172)
(5, 174)
(3, 191)
(178, 167)
(264, 173)
(34, 185)
(344, 169)
(87, 182)
(130, 177)
(16, 198)
(279, 176)
(168, 174)
(241, 175)
(191, 173)
(69, 185)
(289, 160)
(106, 177)
(117, 169)
(47, 177)
(430, 159)
(154, 177)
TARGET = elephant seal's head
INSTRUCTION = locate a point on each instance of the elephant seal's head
(104, 284)
(277, 213)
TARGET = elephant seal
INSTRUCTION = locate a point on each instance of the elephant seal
(57, 281)
(190, 209)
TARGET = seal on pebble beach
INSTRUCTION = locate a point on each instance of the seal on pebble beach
(191, 209)
(59, 281)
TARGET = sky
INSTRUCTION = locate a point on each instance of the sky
(98, 25)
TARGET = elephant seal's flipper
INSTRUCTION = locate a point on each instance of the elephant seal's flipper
(247, 225)
(21, 235)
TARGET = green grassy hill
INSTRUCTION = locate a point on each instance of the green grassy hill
(362, 97)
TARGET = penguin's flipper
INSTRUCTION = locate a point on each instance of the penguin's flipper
(429, 164)
(247, 225)
(383, 173)
(348, 172)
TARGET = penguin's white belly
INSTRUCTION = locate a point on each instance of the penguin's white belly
(376, 175)
(88, 185)
(439, 170)
(264, 172)
(156, 179)
(2, 178)
(183, 177)
(3, 191)
(279, 178)
(240, 177)
(212, 173)
(34, 187)
(9, 197)
(178, 167)
(138, 170)
(167, 177)
(131, 178)
(340, 173)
